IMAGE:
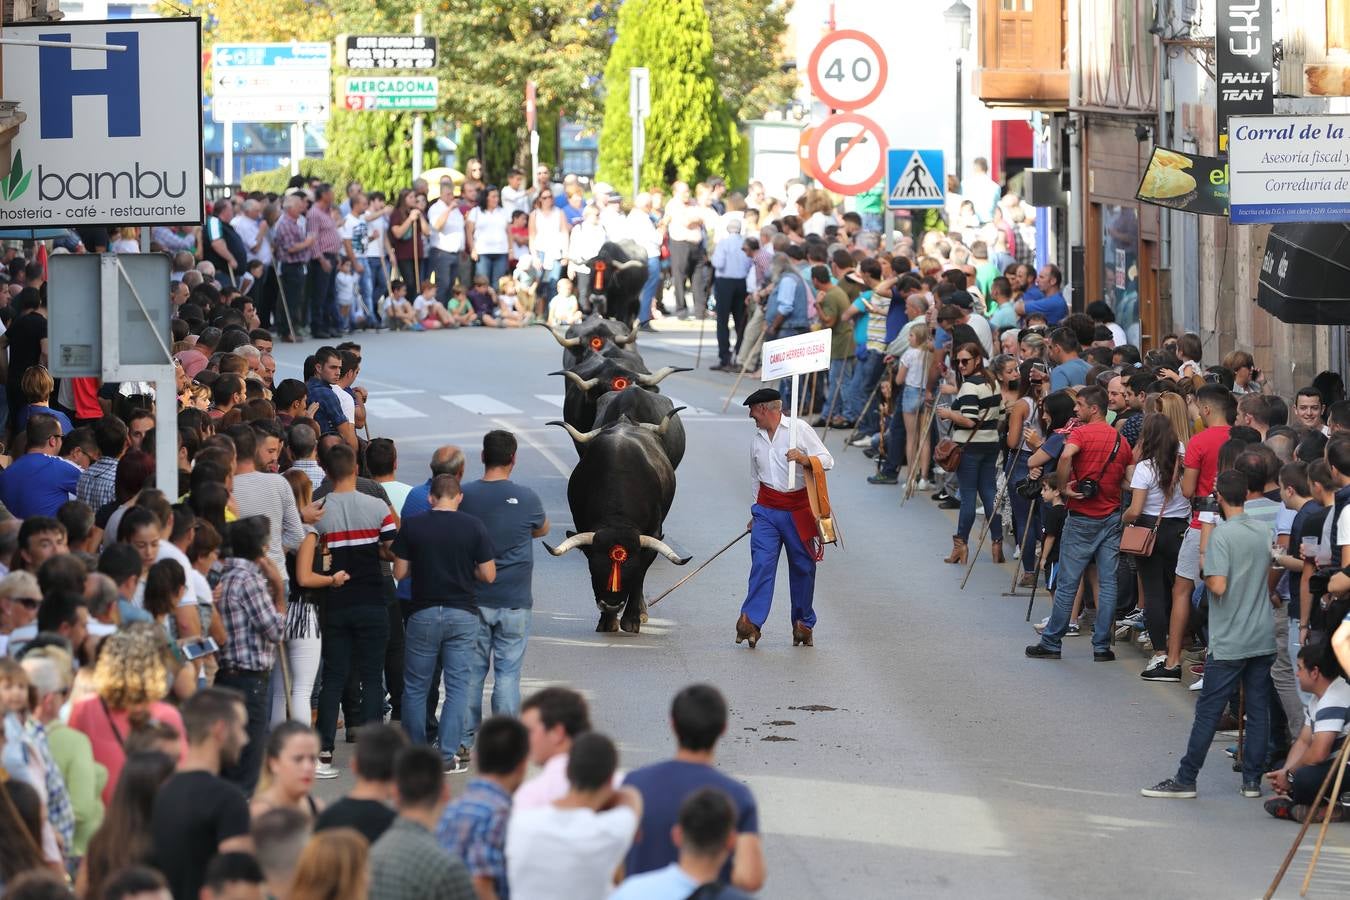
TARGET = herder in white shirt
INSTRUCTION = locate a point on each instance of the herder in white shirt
(781, 518)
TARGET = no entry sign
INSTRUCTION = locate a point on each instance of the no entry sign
(846, 153)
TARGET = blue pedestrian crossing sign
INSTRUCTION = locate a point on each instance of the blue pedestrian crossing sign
(914, 179)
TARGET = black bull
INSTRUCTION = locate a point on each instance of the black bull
(618, 272)
(596, 377)
(594, 334)
(619, 494)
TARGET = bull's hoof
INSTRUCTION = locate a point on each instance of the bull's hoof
(630, 626)
(608, 622)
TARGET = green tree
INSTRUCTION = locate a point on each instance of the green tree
(748, 54)
(352, 135)
(689, 134)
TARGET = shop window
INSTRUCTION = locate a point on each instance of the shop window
(1120, 266)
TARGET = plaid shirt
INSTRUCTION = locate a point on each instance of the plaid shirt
(287, 233)
(253, 627)
(60, 812)
(327, 240)
(474, 829)
(98, 483)
(406, 863)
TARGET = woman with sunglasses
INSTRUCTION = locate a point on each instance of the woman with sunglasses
(975, 415)
(548, 242)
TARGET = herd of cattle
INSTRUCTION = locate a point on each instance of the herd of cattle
(629, 441)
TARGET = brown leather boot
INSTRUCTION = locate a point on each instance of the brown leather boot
(746, 631)
(959, 552)
(801, 634)
(996, 550)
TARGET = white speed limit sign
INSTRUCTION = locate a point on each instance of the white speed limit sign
(847, 70)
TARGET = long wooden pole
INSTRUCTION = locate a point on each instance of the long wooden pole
(670, 590)
(1338, 766)
(1333, 799)
(744, 368)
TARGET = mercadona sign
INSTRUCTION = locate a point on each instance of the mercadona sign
(389, 93)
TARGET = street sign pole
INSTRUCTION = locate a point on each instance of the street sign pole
(417, 120)
(228, 140)
(792, 432)
(297, 147)
(639, 107)
(532, 123)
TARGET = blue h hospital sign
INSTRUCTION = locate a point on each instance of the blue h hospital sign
(119, 82)
(109, 124)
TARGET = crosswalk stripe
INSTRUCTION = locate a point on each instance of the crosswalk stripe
(481, 404)
(551, 399)
(389, 408)
(690, 409)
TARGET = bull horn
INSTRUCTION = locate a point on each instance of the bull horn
(630, 338)
(665, 422)
(577, 540)
(584, 384)
(568, 343)
(577, 436)
(660, 546)
(659, 375)
(631, 264)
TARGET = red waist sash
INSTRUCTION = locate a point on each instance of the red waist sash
(799, 505)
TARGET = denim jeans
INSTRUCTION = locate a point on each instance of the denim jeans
(449, 635)
(896, 438)
(445, 266)
(354, 637)
(1023, 511)
(978, 475)
(1222, 677)
(256, 688)
(322, 296)
(491, 266)
(374, 285)
(649, 288)
(502, 637)
(1083, 541)
(866, 374)
(548, 278)
(833, 389)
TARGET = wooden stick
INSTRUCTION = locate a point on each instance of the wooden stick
(1026, 529)
(744, 368)
(857, 426)
(929, 418)
(672, 588)
(1307, 822)
(988, 521)
(1333, 799)
(702, 327)
(825, 413)
(285, 307)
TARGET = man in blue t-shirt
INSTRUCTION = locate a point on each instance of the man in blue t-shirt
(39, 482)
(699, 717)
(1051, 303)
(1070, 369)
(513, 516)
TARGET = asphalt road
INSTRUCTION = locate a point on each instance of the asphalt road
(913, 751)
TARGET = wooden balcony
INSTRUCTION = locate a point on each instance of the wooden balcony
(1022, 54)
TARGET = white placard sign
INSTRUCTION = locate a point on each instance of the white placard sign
(109, 137)
(1289, 168)
(797, 355)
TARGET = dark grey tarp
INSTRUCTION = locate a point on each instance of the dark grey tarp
(1305, 274)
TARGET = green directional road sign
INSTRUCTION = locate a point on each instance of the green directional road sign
(389, 92)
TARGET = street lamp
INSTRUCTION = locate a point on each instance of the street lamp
(956, 19)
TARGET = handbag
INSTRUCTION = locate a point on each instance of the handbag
(1138, 540)
(947, 453)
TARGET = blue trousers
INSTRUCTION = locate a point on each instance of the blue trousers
(649, 288)
(772, 531)
(1085, 540)
(1222, 677)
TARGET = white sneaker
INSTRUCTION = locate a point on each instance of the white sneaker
(864, 441)
(1199, 685)
(1040, 626)
(1157, 658)
(456, 766)
(325, 770)
(924, 485)
(1073, 630)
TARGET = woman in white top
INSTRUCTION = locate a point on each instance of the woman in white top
(487, 233)
(548, 241)
(1156, 501)
(587, 237)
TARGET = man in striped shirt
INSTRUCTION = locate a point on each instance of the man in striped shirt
(355, 531)
(319, 224)
(1324, 729)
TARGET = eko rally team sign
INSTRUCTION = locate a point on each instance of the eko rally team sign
(108, 129)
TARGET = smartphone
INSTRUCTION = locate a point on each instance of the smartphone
(198, 647)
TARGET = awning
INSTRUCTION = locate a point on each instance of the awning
(1305, 274)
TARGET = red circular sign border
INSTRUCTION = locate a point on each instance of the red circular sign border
(814, 153)
(833, 38)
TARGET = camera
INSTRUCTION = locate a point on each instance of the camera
(1208, 504)
(1028, 488)
(1087, 487)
